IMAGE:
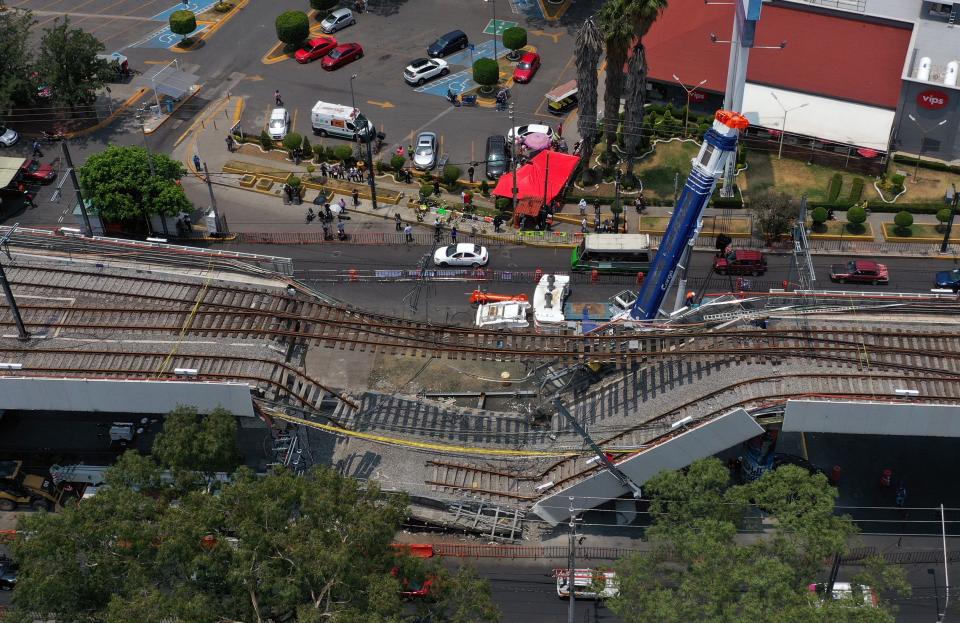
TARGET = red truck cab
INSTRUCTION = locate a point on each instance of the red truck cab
(740, 262)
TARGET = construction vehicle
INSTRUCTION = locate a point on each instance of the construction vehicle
(18, 488)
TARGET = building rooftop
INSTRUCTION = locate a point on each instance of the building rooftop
(858, 59)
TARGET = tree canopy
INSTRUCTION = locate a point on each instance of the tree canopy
(183, 23)
(118, 183)
(15, 58)
(292, 27)
(69, 66)
(773, 212)
(275, 547)
(699, 570)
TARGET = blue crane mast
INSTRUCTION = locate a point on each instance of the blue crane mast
(719, 142)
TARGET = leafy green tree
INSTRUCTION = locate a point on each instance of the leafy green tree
(819, 216)
(617, 209)
(309, 548)
(265, 141)
(396, 162)
(486, 72)
(451, 173)
(191, 442)
(15, 59)
(856, 217)
(293, 27)
(307, 148)
(68, 64)
(699, 570)
(343, 153)
(943, 217)
(183, 23)
(514, 38)
(292, 140)
(119, 185)
(773, 213)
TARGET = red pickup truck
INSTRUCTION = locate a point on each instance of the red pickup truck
(860, 271)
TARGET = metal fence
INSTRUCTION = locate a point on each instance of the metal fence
(479, 275)
(419, 238)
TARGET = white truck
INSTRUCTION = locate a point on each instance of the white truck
(336, 120)
(587, 583)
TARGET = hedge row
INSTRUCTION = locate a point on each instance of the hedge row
(856, 190)
(880, 207)
(833, 188)
(926, 164)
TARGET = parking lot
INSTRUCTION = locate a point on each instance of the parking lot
(117, 23)
(390, 42)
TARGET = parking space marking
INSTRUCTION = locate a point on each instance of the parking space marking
(293, 122)
(458, 83)
(497, 26)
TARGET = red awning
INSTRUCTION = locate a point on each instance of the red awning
(542, 178)
(866, 152)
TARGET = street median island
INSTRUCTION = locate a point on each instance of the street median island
(255, 176)
(923, 233)
(839, 230)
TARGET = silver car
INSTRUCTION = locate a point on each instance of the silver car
(425, 152)
(338, 20)
(8, 137)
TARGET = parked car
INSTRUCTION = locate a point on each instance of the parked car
(860, 271)
(496, 157)
(425, 152)
(451, 42)
(35, 171)
(314, 49)
(741, 262)
(423, 69)
(279, 123)
(338, 20)
(522, 131)
(8, 574)
(8, 137)
(949, 279)
(527, 67)
(461, 254)
(341, 55)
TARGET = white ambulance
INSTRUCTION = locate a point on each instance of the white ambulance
(336, 120)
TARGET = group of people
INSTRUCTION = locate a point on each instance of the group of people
(340, 172)
(339, 211)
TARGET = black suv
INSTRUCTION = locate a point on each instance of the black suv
(8, 574)
(448, 43)
(496, 157)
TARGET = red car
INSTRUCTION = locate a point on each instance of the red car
(860, 271)
(36, 171)
(314, 49)
(528, 65)
(341, 55)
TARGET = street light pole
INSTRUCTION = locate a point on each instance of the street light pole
(952, 198)
(513, 163)
(353, 101)
(923, 140)
(686, 112)
(783, 128)
(363, 123)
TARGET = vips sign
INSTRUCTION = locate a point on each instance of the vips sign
(932, 100)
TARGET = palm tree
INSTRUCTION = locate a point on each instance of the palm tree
(589, 48)
(633, 111)
(617, 27)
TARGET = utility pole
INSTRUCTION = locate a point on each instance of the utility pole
(22, 333)
(513, 163)
(946, 569)
(76, 187)
(213, 202)
(153, 173)
(571, 565)
(952, 197)
(362, 122)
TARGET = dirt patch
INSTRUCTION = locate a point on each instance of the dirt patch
(413, 375)
(929, 187)
(793, 177)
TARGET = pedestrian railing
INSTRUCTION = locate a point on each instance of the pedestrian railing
(477, 275)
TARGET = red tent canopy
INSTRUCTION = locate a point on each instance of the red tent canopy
(542, 178)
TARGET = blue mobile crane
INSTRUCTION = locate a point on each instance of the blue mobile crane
(719, 142)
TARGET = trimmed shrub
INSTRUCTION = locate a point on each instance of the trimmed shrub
(903, 220)
(291, 141)
(293, 27)
(504, 204)
(513, 39)
(484, 188)
(833, 188)
(343, 153)
(896, 183)
(451, 173)
(856, 190)
(589, 177)
(943, 216)
(183, 23)
(295, 182)
(426, 189)
(307, 148)
(222, 7)
(486, 72)
(311, 168)
(380, 166)
(396, 162)
(856, 215)
(265, 141)
(322, 5)
(819, 216)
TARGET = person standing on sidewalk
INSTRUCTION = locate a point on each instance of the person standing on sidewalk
(276, 97)
(583, 207)
(453, 234)
(399, 221)
(408, 232)
(470, 172)
(356, 197)
(583, 225)
(436, 186)
(343, 206)
(196, 162)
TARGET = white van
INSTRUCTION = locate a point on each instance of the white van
(336, 120)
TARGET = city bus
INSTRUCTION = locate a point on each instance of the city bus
(613, 253)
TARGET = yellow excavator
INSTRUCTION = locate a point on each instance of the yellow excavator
(18, 488)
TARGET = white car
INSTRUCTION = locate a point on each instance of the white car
(425, 152)
(521, 131)
(8, 137)
(423, 69)
(338, 20)
(279, 123)
(461, 254)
